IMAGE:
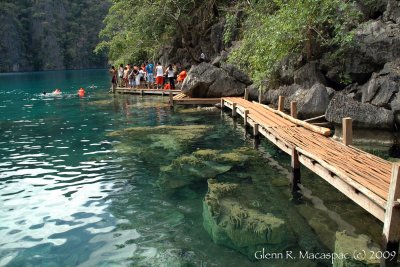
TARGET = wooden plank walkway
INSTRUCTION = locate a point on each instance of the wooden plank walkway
(144, 91)
(182, 99)
(371, 182)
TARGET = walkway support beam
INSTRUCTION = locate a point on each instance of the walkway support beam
(293, 109)
(391, 225)
(347, 131)
(245, 115)
(281, 102)
(171, 99)
(233, 109)
(295, 178)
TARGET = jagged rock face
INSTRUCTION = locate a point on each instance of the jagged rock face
(364, 115)
(383, 86)
(375, 44)
(206, 80)
(393, 11)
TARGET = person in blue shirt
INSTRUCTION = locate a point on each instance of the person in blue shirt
(150, 74)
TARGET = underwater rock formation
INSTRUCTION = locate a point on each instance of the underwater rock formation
(200, 166)
(346, 244)
(245, 229)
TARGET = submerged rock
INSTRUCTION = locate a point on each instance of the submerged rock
(200, 166)
(156, 143)
(347, 245)
(230, 223)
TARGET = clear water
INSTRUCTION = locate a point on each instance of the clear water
(73, 194)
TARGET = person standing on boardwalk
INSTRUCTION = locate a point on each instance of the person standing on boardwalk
(159, 75)
(171, 76)
(114, 79)
(150, 74)
(120, 74)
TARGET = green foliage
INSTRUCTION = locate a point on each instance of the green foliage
(291, 29)
(139, 29)
(230, 27)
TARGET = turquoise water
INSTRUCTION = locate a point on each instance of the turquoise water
(75, 190)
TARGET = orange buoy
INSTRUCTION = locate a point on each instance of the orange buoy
(81, 92)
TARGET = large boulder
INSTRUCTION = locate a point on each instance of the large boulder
(364, 115)
(206, 80)
(310, 102)
(382, 86)
(308, 75)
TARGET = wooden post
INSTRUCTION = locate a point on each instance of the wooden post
(347, 131)
(295, 178)
(233, 109)
(246, 94)
(293, 109)
(259, 96)
(141, 92)
(171, 99)
(162, 93)
(255, 130)
(391, 225)
(222, 103)
(281, 102)
(246, 113)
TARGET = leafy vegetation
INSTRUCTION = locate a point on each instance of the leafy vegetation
(293, 27)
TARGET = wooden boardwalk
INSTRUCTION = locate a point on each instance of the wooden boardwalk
(371, 182)
(144, 91)
(182, 99)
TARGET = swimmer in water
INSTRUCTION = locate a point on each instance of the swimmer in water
(44, 93)
(57, 92)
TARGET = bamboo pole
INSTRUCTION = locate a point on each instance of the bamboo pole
(281, 102)
(293, 109)
(316, 129)
(391, 226)
(347, 131)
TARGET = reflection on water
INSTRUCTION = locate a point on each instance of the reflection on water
(120, 181)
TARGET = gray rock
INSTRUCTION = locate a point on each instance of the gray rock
(392, 12)
(253, 92)
(364, 115)
(308, 75)
(237, 73)
(375, 44)
(382, 86)
(206, 80)
(310, 102)
(314, 103)
(371, 9)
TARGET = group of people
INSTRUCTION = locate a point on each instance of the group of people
(147, 75)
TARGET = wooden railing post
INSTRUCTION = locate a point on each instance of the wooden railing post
(295, 178)
(259, 96)
(171, 99)
(293, 109)
(281, 102)
(391, 225)
(222, 103)
(233, 109)
(246, 113)
(347, 131)
(246, 94)
(255, 130)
